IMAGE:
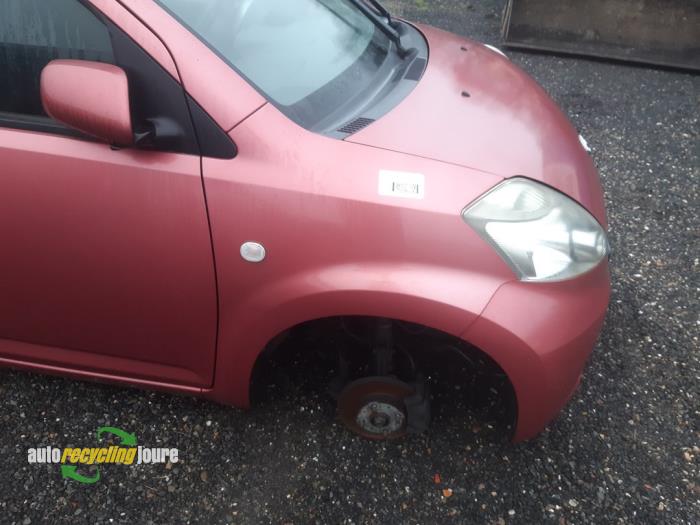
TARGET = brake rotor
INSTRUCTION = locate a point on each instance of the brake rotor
(375, 408)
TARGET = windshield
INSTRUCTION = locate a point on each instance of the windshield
(308, 57)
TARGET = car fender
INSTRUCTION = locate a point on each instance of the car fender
(444, 299)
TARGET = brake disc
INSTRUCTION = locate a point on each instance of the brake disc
(375, 407)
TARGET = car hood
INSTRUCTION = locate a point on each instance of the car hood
(475, 108)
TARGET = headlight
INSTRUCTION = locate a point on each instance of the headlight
(496, 50)
(542, 234)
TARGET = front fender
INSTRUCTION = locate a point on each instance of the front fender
(445, 299)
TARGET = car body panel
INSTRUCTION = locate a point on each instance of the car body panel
(541, 335)
(88, 365)
(110, 254)
(336, 246)
(508, 125)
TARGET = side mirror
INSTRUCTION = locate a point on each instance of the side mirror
(91, 97)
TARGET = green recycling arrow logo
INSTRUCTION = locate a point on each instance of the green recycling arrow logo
(126, 439)
(71, 472)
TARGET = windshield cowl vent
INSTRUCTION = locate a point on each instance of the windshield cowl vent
(356, 125)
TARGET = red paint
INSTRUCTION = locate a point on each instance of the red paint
(542, 336)
(507, 126)
(108, 272)
(106, 253)
(65, 99)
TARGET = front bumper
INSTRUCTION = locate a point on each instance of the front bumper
(541, 335)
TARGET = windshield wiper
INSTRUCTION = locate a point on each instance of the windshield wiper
(383, 11)
(382, 19)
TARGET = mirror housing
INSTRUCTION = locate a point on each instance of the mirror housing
(91, 97)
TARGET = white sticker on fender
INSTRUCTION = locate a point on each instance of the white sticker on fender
(401, 184)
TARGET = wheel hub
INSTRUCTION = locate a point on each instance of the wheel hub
(374, 407)
(380, 418)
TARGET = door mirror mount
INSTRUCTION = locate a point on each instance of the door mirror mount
(161, 132)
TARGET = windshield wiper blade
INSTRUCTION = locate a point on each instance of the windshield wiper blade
(382, 20)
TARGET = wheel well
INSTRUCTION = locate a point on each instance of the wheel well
(311, 354)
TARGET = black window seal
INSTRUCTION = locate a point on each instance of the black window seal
(40, 124)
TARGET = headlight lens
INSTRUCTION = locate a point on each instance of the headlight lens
(542, 234)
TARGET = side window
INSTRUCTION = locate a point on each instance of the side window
(34, 32)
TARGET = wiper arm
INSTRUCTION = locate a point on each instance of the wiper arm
(383, 11)
(377, 19)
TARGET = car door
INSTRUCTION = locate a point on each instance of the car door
(106, 263)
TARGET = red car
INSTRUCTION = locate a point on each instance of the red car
(183, 182)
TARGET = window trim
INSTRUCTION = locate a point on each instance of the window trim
(40, 124)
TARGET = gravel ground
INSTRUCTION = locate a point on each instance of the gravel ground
(625, 450)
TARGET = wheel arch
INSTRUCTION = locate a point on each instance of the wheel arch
(488, 365)
(444, 299)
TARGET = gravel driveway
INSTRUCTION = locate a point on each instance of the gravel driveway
(625, 450)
